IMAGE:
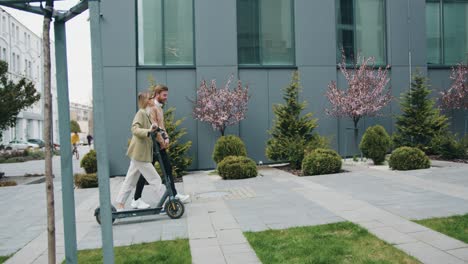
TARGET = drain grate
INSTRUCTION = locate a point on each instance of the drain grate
(211, 195)
(229, 194)
(240, 193)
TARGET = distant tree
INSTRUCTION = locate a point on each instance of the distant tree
(75, 127)
(221, 107)
(14, 97)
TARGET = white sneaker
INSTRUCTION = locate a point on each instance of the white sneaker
(139, 204)
(184, 198)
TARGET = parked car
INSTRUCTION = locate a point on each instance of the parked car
(20, 145)
(37, 141)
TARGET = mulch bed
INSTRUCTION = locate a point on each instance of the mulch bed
(435, 157)
(299, 173)
(288, 168)
(5, 182)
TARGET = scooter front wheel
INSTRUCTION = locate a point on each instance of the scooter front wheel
(97, 214)
(174, 208)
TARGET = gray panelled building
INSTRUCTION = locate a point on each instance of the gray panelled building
(181, 42)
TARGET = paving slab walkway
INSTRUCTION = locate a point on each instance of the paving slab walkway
(382, 201)
(214, 234)
(125, 232)
(278, 200)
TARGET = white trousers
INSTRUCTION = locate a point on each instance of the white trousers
(131, 179)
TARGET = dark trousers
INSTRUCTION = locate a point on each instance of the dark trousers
(168, 168)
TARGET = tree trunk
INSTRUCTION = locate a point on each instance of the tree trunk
(48, 132)
(356, 133)
(222, 131)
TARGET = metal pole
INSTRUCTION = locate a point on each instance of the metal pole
(100, 132)
(410, 58)
(69, 225)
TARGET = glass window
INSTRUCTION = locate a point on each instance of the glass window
(455, 31)
(165, 32)
(361, 29)
(433, 32)
(447, 31)
(13, 68)
(265, 32)
(4, 25)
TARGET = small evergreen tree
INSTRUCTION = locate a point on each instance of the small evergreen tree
(420, 120)
(291, 132)
(177, 150)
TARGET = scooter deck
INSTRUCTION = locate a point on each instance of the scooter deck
(137, 212)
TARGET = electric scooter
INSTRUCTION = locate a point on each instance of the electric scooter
(174, 207)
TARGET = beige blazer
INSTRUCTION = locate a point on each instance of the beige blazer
(141, 145)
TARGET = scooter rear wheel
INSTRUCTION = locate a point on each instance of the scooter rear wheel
(174, 209)
(97, 213)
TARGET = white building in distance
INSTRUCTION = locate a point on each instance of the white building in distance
(22, 50)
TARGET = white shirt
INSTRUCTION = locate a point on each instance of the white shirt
(157, 103)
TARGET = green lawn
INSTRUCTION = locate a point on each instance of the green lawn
(4, 258)
(454, 226)
(333, 243)
(163, 252)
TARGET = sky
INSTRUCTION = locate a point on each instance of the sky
(78, 48)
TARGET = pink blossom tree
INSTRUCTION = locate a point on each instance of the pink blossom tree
(456, 96)
(366, 94)
(221, 107)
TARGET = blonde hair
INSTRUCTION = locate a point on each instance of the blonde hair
(143, 99)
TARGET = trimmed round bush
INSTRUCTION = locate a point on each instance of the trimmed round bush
(321, 161)
(228, 146)
(237, 167)
(408, 158)
(375, 144)
(89, 162)
(86, 180)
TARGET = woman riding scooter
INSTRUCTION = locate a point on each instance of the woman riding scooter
(140, 152)
(160, 95)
